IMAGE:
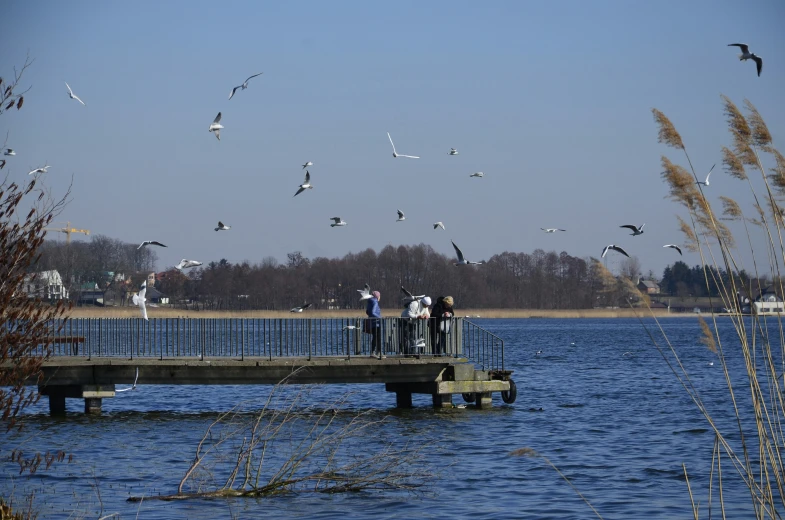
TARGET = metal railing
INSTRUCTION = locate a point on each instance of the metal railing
(276, 338)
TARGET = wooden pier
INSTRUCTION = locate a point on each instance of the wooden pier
(465, 360)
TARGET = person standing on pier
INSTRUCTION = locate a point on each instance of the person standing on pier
(440, 322)
(373, 325)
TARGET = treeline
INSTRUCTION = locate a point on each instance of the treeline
(540, 280)
(98, 261)
(683, 281)
(508, 280)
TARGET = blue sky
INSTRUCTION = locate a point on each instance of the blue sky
(551, 100)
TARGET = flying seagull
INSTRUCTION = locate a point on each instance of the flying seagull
(39, 170)
(222, 227)
(365, 293)
(438, 225)
(150, 243)
(400, 216)
(349, 327)
(552, 230)
(452, 151)
(706, 182)
(677, 248)
(185, 264)
(396, 154)
(461, 259)
(139, 299)
(337, 222)
(409, 297)
(134, 386)
(244, 85)
(635, 230)
(301, 308)
(306, 165)
(72, 95)
(747, 55)
(477, 174)
(305, 185)
(9, 151)
(215, 126)
(615, 248)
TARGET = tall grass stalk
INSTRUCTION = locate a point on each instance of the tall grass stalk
(759, 464)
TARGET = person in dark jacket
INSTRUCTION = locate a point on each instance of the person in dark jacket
(440, 323)
(373, 325)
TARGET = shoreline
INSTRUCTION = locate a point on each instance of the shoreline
(158, 312)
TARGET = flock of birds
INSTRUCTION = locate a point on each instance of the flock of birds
(215, 127)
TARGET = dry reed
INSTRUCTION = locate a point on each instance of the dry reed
(758, 462)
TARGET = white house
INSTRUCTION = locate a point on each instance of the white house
(46, 285)
(767, 302)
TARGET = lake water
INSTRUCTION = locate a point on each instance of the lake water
(599, 402)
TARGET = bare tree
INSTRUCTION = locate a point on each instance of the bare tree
(25, 323)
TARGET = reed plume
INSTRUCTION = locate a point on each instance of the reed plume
(733, 164)
(707, 337)
(667, 132)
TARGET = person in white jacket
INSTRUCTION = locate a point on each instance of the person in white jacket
(415, 310)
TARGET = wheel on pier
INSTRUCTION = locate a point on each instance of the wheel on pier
(509, 396)
(469, 398)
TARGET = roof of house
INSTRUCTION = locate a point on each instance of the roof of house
(650, 283)
(152, 292)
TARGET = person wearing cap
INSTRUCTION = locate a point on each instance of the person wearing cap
(373, 325)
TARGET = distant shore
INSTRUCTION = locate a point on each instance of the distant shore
(159, 312)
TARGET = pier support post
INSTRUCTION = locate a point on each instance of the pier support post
(483, 400)
(92, 405)
(442, 400)
(403, 399)
(56, 404)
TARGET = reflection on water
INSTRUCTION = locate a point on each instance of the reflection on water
(609, 414)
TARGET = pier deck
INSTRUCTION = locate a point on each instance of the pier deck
(466, 359)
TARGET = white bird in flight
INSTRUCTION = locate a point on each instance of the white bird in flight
(438, 225)
(150, 243)
(365, 293)
(306, 165)
(396, 154)
(477, 174)
(461, 259)
(615, 248)
(747, 55)
(185, 264)
(9, 151)
(215, 126)
(301, 308)
(677, 248)
(349, 327)
(337, 222)
(635, 230)
(139, 299)
(72, 95)
(552, 230)
(706, 182)
(222, 227)
(305, 185)
(409, 297)
(134, 385)
(39, 170)
(400, 216)
(244, 85)
(452, 151)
